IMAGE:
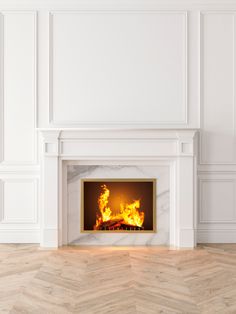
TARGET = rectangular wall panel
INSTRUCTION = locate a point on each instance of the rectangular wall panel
(217, 200)
(118, 67)
(19, 201)
(218, 145)
(18, 87)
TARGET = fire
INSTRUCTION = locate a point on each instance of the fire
(131, 214)
(128, 216)
(103, 202)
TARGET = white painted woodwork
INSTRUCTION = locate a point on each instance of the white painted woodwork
(19, 204)
(50, 189)
(217, 208)
(21, 207)
(215, 195)
(18, 32)
(181, 164)
(118, 67)
(123, 65)
(218, 88)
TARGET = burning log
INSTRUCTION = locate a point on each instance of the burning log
(131, 227)
(117, 224)
(109, 223)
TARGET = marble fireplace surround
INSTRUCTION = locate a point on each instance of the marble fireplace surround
(175, 148)
(112, 169)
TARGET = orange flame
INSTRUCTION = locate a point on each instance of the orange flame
(129, 213)
(102, 204)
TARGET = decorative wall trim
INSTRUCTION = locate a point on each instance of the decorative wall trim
(200, 199)
(3, 219)
(216, 235)
(3, 160)
(20, 170)
(129, 124)
(1, 88)
(1, 200)
(201, 31)
(19, 235)
(124, 4)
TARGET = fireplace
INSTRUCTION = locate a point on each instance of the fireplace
(123, 153)
(118, 205)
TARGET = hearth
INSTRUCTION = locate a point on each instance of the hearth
(118, 205)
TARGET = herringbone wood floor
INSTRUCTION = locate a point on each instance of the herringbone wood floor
(117, 280)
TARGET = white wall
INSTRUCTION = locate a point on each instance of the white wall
(217, 188)
(19, 177)
(147, 64)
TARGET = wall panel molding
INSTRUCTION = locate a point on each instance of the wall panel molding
(4, 160)
(221, 133)
(217, 235)
(1, 88)
(5, 201)
(1, 199)
(53, 121)
(108, 4)
(207, 194)
(14, 235)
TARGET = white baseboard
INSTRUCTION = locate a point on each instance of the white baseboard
(20, 236)
(216, 236)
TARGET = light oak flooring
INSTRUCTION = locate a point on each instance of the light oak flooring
(117, 280)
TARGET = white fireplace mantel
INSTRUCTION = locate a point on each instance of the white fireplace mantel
(175, 148)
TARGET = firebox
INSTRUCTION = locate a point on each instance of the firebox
(118, 205)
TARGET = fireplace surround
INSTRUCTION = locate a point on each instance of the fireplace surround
(79, 171)
(175, 149)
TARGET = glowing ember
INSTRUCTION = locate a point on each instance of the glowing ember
(128, 217)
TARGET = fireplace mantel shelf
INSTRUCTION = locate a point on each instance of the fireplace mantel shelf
(173, 147)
